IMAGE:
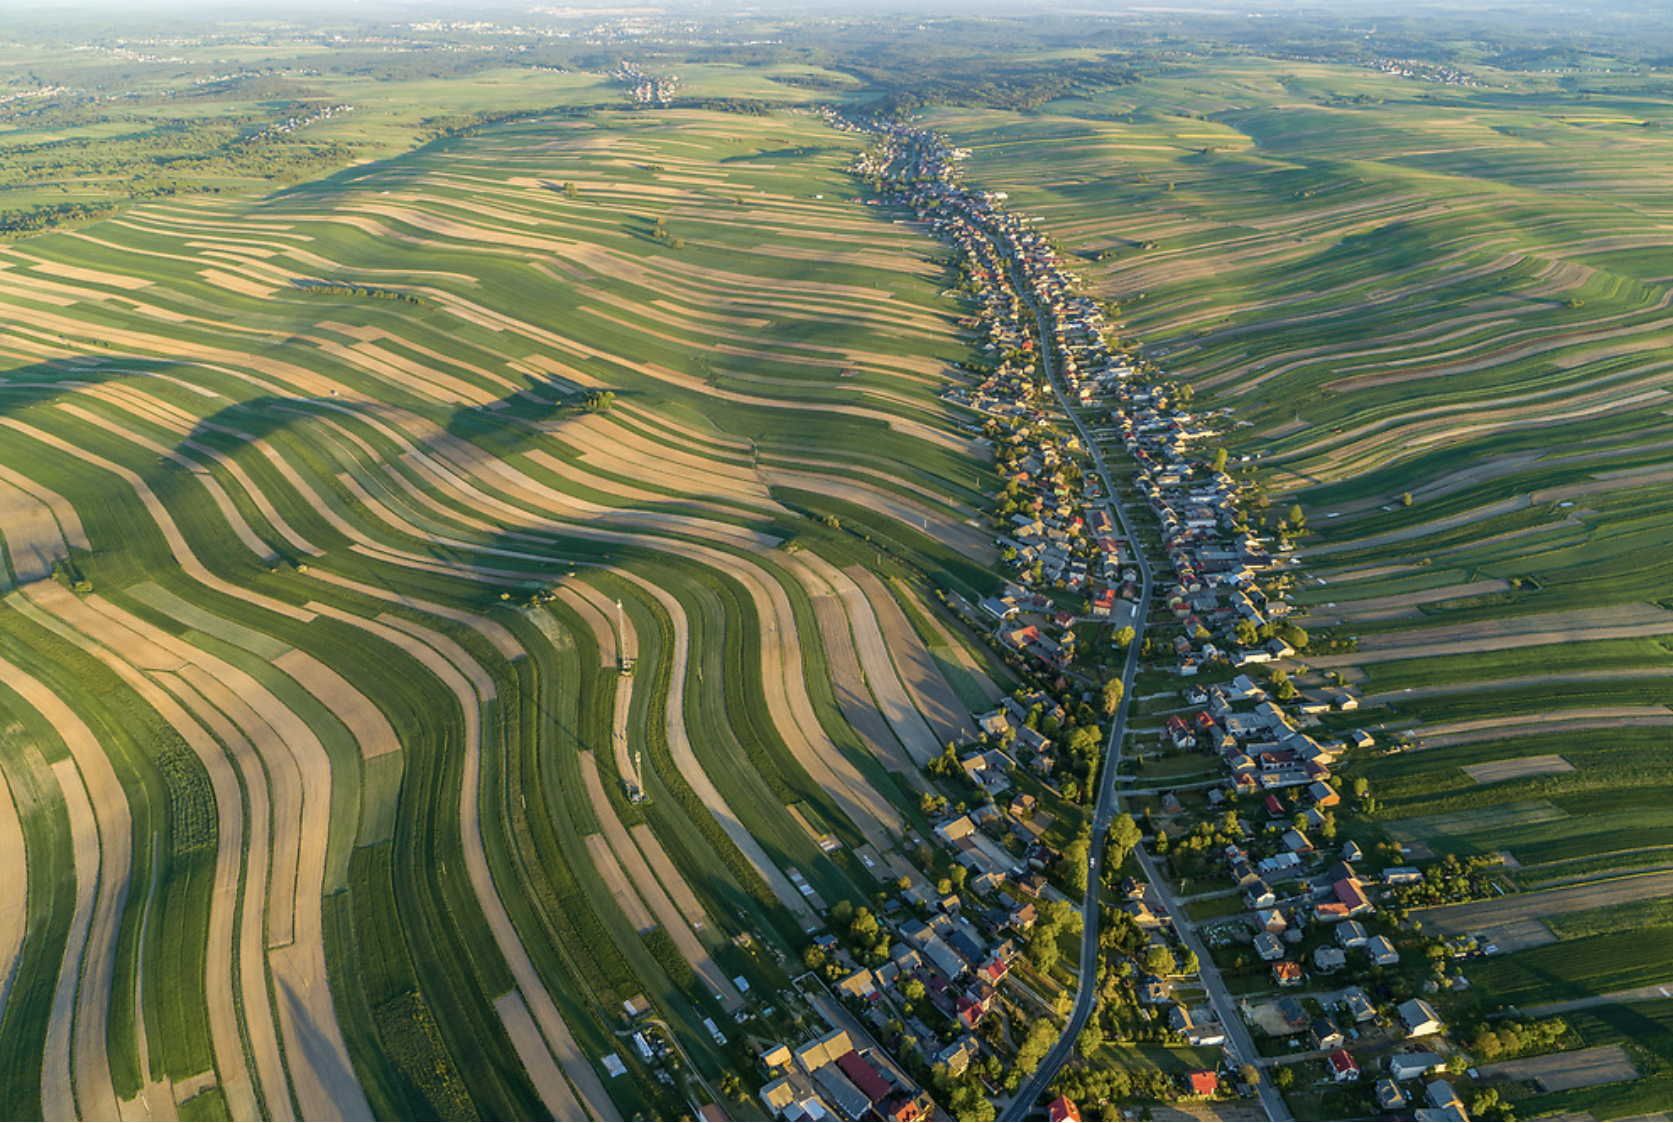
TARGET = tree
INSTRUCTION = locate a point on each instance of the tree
(1113, 693)
(1218, 464)
(1283, 687)
(1124, 835)
(968, 1103)
(1160, 961)
(1190, 965)
(1035, 1046)
(1251, 1075)
(599, 401)
(814, 957)
(1297, 517)
(1405, 499)
(1283, 1078)
(1091, 1038)
(1071, 867)
(1124, 636)
(570, 191)
(1245, 633)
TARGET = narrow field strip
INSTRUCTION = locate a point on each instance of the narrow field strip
(14, 911)
(662, 906)
(472, 687)
(102, 827)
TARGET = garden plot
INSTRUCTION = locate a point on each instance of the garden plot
(1560, 1072)
(1496, 817)
(1518, 907)
(935, 699)
(1515, 768)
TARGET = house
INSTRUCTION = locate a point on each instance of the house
(1351, 895)
(1323, 795)
(1402, 875)
(1382, 951)
(1409, 1066)
(1351, 934)
(1328, 958)
(1205, 1082)
(958, 1055)
(1420, 1018)
(1389, 1096)
(1269, 947)
(1297, 843)
(1155, 993)
(1022, 917)
(1358, 1004)
(1287, 973)
(1442, 1095)
(1063, 1110)
(1351, 851)
(1326, 1035)
(1260, 895)
(861, 984)
(1343, 1067)
(1270, 920)
(841, 1092)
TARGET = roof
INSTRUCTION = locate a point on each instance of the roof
(1063, 1110)
(1342, 1062)
(1205, 1082)
(864, 1077)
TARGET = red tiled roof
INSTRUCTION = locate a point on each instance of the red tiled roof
(864, 1077)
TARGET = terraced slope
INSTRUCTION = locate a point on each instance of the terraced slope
(316, 511)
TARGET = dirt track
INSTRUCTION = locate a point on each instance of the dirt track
(1463, 919)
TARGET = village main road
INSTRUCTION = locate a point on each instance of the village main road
(1108, 806)
(1108, 802)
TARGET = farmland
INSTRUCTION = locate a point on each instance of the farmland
(475, 544)
(410, 640)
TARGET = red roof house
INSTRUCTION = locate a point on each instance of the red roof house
(1343, 1067)
(1063, 1110)
(1205, 1082)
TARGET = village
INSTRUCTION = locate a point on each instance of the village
(951, 981)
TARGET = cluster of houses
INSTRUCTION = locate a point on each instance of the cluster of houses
(831, 1078)
(1056, 536)
(645, 88)
(1054, 540)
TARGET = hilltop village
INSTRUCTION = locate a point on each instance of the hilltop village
(949, 983)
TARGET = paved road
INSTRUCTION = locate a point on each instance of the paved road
(1108, 800)
(1241, 1046)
